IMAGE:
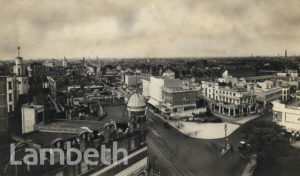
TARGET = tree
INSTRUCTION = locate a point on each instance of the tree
(275, 154)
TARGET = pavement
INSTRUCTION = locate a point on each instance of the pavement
(209, 130)
(248, 171)
(236, 120)
(206, 130)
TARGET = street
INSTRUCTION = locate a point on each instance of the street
(178, 154)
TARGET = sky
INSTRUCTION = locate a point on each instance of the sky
(148, 28)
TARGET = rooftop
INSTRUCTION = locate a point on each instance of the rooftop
(252, 78)
(178, 89)
(136, 101)
(45, 138)
(67, 129)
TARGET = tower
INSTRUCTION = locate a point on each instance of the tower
(19, 68)
(65, 62)
(285, 54)
(29, 69)
(84, 61)
(136, 108)
(22, 80)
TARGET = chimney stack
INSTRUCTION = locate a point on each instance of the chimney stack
(285, 53)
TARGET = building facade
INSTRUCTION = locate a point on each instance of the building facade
(155, 88)
(129, 133)
(3, 106)
(287, 116)
(134, 79)
(56, 84)
(31, 115)
(289, 78)
(227, 100)
(169, 74)
(178, 99)
(22, 79)
(268, 91)
(229, 96)
(172, 97)
(145, 85)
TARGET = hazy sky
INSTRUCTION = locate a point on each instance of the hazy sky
(149, 28)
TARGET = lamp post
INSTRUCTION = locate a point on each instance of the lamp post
(225, 129)
(226, 139)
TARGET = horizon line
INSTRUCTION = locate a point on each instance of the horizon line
(160, 57)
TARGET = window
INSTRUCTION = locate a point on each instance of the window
(10, 97)
(10, 108)
(9, 85)
(277, 116)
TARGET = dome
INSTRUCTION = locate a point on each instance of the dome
(136, 102)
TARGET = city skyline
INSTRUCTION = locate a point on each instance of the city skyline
(148, 28)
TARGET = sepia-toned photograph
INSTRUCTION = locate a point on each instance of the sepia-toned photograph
(149, 88)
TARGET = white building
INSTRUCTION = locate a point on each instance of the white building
(90, 70)
(155, 88)
(31, 115)
(134, 79)
(19, 67)
(267, 91)
(22, 85)
(29, 69)
(169, 74)
(22, 79)
(289, 78)
(170, 96)
(293, 73)
(229, 96)
(65, 62)
(287, 116)
(145, 85)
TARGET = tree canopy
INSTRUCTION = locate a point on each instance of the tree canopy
(275, 154)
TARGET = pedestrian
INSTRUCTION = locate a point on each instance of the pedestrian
(231, 148)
